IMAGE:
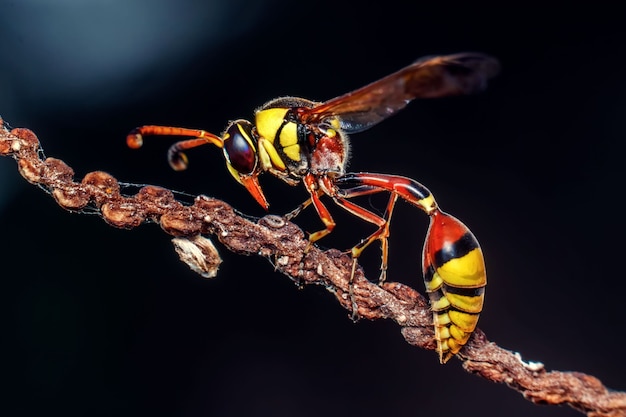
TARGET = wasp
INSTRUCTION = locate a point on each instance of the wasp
(302, 141)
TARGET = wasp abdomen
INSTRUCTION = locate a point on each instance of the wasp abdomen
(455, 279)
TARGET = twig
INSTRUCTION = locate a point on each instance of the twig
(283, 242)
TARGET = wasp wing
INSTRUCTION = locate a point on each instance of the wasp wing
(429, 77)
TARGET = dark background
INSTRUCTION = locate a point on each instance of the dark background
(98, 321)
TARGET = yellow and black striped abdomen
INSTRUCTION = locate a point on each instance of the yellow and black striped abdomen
(455, 279)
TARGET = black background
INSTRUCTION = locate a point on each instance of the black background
(99, 321)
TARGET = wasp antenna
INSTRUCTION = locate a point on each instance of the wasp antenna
(177, 158)
(134, 140)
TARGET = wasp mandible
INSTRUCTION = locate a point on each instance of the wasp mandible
(301, 141)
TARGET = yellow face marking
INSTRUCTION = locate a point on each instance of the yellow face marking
(269, 156)
(268, 122)
(233, 172)
(264, 158)
(466, 272)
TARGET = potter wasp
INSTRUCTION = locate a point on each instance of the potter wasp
(301, 141)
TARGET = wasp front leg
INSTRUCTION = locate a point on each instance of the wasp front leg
(312, 186)
(453, 263)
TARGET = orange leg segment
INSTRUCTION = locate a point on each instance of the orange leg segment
(310, 182)
(405, 188)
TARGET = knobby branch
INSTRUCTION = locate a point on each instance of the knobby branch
(284, 244)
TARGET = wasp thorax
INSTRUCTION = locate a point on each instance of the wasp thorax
(239, 148)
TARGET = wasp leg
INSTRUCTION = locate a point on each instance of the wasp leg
(295, 212)
(354, 192)
(311, 186)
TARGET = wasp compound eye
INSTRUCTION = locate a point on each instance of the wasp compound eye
(239, 147)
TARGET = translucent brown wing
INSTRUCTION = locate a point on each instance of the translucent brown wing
(428, 77)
